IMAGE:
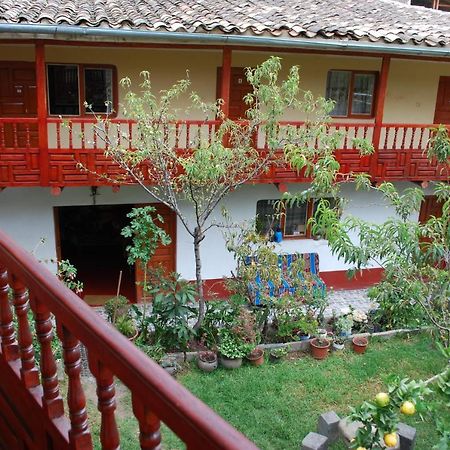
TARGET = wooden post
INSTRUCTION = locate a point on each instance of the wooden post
(41, 94)
(379, 109)
(226, 80)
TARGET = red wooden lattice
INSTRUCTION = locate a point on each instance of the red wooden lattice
(74, 155)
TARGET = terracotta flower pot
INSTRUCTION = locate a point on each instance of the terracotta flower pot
(319, 348)
(360, 344)
(256, 357)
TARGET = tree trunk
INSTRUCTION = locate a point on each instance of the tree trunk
(198, 237)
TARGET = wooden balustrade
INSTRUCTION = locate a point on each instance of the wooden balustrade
(31, 407)
(73, 144)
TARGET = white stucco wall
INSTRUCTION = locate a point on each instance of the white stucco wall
(26, 214)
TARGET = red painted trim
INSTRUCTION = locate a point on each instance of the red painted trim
(337, 280)
(379, 110)
(41, 92)
(226, 80)
(59, 42)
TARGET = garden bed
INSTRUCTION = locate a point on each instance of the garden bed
(277, 405)
(303, 346)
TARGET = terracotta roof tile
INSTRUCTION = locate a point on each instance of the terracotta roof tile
(387, 21)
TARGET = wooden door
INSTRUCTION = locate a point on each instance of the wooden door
(18, 99)
(442, 112)
(239, 88)
(430, 207)
(165, 255)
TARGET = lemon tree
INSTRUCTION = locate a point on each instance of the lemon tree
(380, 417)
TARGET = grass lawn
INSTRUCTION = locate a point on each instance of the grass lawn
(276, 405)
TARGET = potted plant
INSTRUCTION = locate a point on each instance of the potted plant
(118, 312)
(360, 344)
(338, 343)
(343, 325)
(207, 360)
(277, 354)
(320, 345)
(231, 349)
(256, 356)
(307, 326)
(127, 327)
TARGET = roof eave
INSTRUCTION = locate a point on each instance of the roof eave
(80, 33)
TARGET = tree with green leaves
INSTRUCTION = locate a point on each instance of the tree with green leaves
(211, 168)
(415, 257)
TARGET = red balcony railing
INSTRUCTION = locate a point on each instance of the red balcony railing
(32, 411)
(401, 153)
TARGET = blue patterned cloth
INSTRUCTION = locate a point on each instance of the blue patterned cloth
(308, 276)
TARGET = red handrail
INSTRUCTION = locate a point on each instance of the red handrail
(196, 424)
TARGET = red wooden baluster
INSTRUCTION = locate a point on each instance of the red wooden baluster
(83, 136)
(119, 134)
(58, 135)
(413, 136)
(210, 133)
(421, 138)
(405, 130)
(28, 371)
(79, 434)
(106, 394)
(10, 349)
(394, 145)
(149, 434)
(16, 141)
(365, 129)
(95, 140)
(346, 138)
(51, 399)
(2, 135)
(27, 135)
(70, 135)
(386, 137)
(106, 135)
(130, 134)
(188, 139)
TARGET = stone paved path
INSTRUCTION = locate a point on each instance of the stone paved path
(341, 299)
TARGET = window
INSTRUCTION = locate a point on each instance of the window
(70, 86)
(294, 221)
(443, 5)
(353, 92)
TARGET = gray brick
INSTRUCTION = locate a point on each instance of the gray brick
(328, 425)
(314, 441)
(407, 436)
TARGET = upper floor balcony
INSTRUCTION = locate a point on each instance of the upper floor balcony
(400, 151)
(375, 99)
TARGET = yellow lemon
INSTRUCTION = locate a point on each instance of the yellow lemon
(390, 439)
(361, 448)
(382, 399)
(408, 408)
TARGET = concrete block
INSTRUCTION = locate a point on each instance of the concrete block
(348, 429)
(407, 436)
(328, 425)
(314, 441)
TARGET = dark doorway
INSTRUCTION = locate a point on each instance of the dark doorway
(89, 237)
